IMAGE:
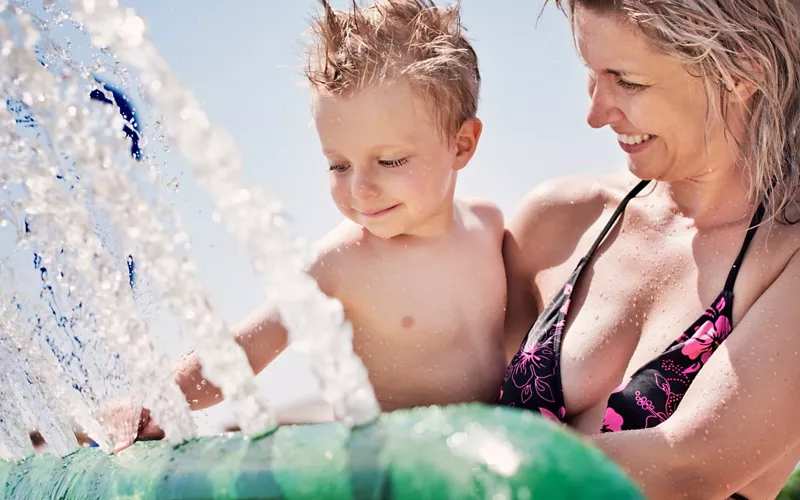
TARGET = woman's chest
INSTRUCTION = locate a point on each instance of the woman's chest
(625, 310)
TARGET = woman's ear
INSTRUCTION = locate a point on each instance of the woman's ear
(746, 88)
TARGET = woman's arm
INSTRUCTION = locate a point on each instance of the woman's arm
(740, 414)
(545, 231)
(521, 307)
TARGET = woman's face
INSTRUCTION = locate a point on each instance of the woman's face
(659, 111)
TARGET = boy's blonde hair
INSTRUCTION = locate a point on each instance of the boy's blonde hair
(393, 39)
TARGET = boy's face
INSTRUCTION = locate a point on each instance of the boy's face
(391, 169)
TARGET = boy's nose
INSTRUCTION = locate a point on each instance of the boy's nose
(364, 186)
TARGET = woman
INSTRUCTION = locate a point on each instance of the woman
(704, 98)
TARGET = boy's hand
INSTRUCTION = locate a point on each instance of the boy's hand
(127, 422)
(148, 428)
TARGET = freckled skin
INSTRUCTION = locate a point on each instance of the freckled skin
(419, 273)
(662, 265)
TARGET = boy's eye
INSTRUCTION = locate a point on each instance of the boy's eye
(629, 85)
(393, 163)
(338, 168)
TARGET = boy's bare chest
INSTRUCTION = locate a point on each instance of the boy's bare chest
(427, 293)
(429, 328)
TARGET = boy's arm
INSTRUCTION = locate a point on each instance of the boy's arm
(262, 338)
(261, 335)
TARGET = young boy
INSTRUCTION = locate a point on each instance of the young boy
(421, 277)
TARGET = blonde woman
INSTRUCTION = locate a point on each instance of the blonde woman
(656, 310)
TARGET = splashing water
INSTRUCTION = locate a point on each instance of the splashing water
(315, 322)
(30, 390)
(71, 189)
(62, 232)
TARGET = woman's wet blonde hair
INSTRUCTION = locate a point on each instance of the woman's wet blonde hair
(722, 41)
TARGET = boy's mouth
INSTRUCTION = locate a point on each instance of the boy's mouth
(377, 213)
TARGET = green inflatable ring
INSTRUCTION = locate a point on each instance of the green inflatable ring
(454, 452)
(791, 491)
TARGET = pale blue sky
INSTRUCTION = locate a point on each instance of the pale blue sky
(242, 60)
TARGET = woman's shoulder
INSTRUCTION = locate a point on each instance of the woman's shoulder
(555, 215)
(563, 203)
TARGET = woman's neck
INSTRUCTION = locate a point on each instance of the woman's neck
(716, 197)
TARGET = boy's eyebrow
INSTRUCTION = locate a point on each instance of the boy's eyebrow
(379, 147)
(390, 146)
(620, 73)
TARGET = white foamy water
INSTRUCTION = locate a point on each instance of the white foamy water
(315, 322)
(75, 195)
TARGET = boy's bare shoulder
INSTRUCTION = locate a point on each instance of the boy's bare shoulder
(479, 214)
(335, 253)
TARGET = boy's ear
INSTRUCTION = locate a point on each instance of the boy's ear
(467, 142)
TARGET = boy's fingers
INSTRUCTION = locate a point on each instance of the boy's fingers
(120, 421)
(118, 447)
(151, 432)
(148, 428)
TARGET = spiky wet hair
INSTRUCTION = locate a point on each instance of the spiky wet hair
(415, 40)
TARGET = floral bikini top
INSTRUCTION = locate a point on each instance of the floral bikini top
(652, 394)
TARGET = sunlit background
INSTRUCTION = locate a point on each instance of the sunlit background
(242, 59)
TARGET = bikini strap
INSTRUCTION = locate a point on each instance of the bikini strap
(748, 237)
(621, 208)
